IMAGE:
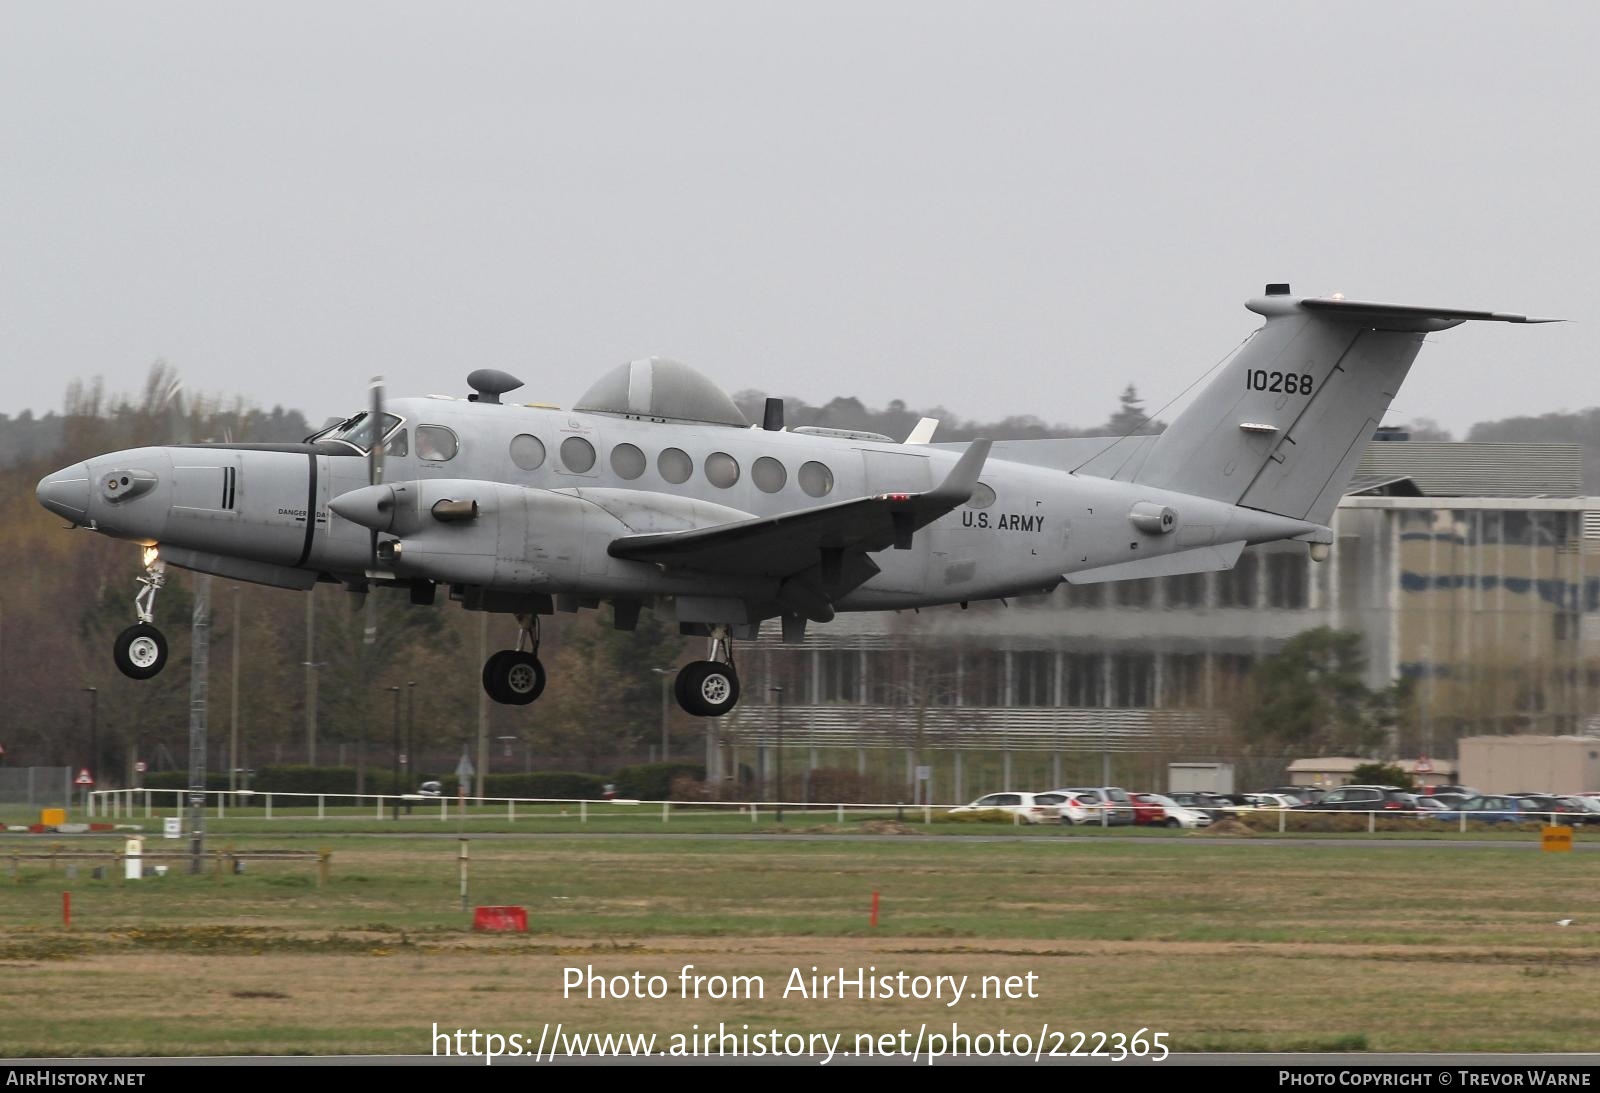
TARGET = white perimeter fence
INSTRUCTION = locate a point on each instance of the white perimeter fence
(112, 804)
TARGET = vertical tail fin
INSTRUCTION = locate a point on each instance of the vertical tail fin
(1282, 427)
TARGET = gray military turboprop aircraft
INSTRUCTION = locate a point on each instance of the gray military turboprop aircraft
(654, 490)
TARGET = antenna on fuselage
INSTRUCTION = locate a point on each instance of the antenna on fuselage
(488, 384)
(772, 416)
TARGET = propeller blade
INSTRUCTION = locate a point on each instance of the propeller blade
(375, 473)
(375, 454)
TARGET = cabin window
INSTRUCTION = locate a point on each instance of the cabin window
(577, 455)
(628, 461)
(816, 479)
(768, 474)
(675, 465)
(722, 470)
(527, 452)
(436, 444)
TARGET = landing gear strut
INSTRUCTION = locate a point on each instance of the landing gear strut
(141, 650)
(710, 688)
(514, 677)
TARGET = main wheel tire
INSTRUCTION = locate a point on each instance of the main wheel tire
(1172, 821)
(513, 678)
(708, 688)
(140, 651)
(492, 675)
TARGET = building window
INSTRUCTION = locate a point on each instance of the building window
(1236, 587)
(838, 675)
(1134, 593)
(1033, 679)
(983, 679)
(1083, 679)
(1133, 679)
(1086, 595)
(1183, 681)
(1286, 578)
(1186, 590)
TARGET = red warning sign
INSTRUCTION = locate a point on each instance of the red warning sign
(84, 778)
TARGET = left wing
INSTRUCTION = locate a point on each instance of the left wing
(792, 542)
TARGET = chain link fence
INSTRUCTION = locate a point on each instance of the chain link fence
(36, 787)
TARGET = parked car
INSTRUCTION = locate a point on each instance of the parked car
(1554, 809)
(1146, 813)
(430, 789)
(1117, 806)
(1584, 810)
(1309, 795)
(1273, 800)
(1031, 807)
(1172, 813)
(1208, 803)
(1364, 799)
(1074, 810)
(1488, 809)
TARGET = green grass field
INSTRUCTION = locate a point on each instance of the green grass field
(1250, 944)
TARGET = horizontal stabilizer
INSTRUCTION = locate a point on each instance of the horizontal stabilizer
(1388, 316)
(1201, 560)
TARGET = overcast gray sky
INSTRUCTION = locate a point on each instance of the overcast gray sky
(999, 207)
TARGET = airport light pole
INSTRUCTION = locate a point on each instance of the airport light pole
(394, 762)
(665, 674)
(408, 764)
(233, 717)
(94, 737)
(777, 689)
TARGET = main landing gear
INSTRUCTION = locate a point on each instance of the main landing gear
(710, 688)
(514, 677)
(141, 650)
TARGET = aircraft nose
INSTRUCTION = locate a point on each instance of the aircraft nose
(66, 493)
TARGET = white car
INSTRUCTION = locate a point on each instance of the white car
(1030, 807)
(1273, 800)
(1074, 810)
(1177, 815)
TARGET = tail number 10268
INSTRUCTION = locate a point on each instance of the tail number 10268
(1255, 379)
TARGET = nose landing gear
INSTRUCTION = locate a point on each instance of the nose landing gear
(514, 677)
(141, 650)
(710, 688)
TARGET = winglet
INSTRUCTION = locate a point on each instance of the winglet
(957, 487)
(923, 433)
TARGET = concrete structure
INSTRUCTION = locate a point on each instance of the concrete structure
(1339, 770)
(1531, 764)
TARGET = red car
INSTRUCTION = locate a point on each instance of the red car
(1146, 811)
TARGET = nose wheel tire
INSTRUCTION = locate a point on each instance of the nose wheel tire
(513, 678)
(707, 688)
(140, 651)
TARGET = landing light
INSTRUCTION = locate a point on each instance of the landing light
(152, 554)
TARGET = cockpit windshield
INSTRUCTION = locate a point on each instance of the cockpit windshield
(357, 430)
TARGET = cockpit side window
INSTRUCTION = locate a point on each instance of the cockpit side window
(436, 444)
(397, 444)
(357, 430)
